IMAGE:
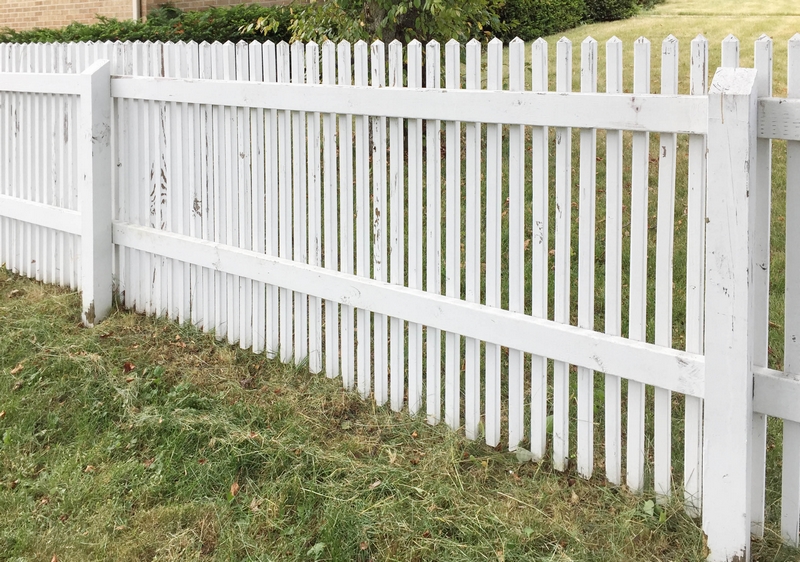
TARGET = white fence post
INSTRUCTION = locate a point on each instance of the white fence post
(94, 181)
(730, 217)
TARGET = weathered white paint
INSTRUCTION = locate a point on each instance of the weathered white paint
(540, 249)
(94, 168)
(695, 282)
(674, 114)
(665, 233)
(210, 185)
(637, 305)
(587, 195)
(613, 285)
(762, 193)
(671, 369)
(790, 478)
(728, 378)
(516, 256)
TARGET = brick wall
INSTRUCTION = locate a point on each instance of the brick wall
(27, 14)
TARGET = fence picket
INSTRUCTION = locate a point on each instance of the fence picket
(613, 267)
(472, 148)
(586, 250)
(314, 215)
(380, 263)
(433, 228)
(364, 223)
(637, 316)
(285, 204)
(415, 164)
(223, 291)
(494, 192)
(452, 386)
(207, 209)
(540, 250)
(516, 250)
(730, 52)
(396, 230)
(695, 282)
(331, 209)
(299, 205)
(790, 478)
(665, 231)
(271, 199)
(244, 220)
(763, 195)
(562, 275)
(261, 164)
(346, 215)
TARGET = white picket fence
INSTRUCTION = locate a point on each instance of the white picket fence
(397, 234)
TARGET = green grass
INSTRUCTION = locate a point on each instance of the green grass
(123, 442)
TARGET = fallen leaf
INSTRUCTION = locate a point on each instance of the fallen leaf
(426, 534)
(15, 293)
(2, 414)
(347, 425)
(18, 368)
(364, 545)
(128, 367)
(202, 461)
(119, 527)
(54, 558)
(414, 434)
(104, 336)
(415, 462)
(148, 462)
(574, 499)
(89, 468)
(375, 484)
(13, 484)
(523, 455)
(234, 489)
(17, 386)
(129, 379)
(254, 504)
(247, 383)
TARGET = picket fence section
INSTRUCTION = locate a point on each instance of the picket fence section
(391, 224)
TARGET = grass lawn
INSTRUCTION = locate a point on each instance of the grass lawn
(145, 440)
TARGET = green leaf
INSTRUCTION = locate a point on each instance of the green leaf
(524, 455)
(649, 507)
(316, 550)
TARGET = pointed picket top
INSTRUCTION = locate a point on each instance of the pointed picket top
(589, 65)
(452, 43)
(432, 44)
(396, 43)
(356, 44)
(564, 65)
(377, 43)
(793, 77)
(614, 65)
(762, 51)
(495, 41)
(516, 64)
(414, 42)
(698, 84)
(730, 52)
(241, 44)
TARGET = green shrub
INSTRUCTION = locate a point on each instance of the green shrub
(530, 19)
(609, 10)
(388, 20)
(167, 23)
